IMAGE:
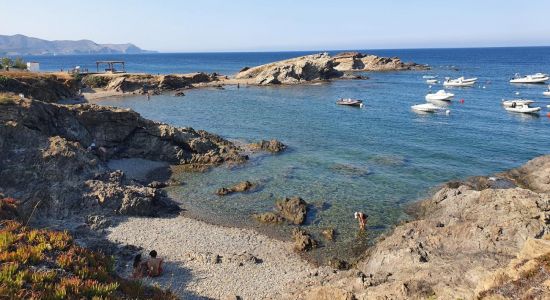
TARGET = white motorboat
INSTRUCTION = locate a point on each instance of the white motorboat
(534, 78)
(459, 82)
(516, 102)
(432, 81)
(440, 95)
(426, 107)
(523, 108)
(429, 77)
(350, 102)
(474, 79)
(547, 92)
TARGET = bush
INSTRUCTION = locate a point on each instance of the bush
(19, 63)
(95, 81)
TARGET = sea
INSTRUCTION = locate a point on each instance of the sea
(376, 159)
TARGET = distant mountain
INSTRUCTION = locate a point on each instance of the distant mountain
(23, 45)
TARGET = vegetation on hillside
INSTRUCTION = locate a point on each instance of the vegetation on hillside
(46, 264)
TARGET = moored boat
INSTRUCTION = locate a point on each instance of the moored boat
(516, 102)
(534, 78)
(547, 92)
(432, 81)
(440, 95)
(524, 108)
(350, 102)
(459, 82)
(426, 107)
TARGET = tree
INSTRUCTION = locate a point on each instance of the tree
(20, 63)
(6, 62)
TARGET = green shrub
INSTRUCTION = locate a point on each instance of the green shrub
(95, 81)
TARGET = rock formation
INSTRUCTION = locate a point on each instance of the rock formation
(303, 240)
(273, 146)
(461, 244)
(45, 87)
(319, 67)
(54, 157)
(292, 210)
(238, 188)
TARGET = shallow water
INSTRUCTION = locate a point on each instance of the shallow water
(373, 159)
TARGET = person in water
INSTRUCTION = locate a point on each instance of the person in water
(362, 219)
(139, 267)
(154, 265)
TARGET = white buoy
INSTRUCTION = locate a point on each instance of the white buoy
(448, 112)
(517, 93)
(361, 105)
(483, 86)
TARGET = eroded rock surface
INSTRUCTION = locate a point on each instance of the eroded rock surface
(321, 67)
(464, 239)
(54, 157)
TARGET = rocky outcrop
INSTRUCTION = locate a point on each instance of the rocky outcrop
(238, 188)
(293, 71)
(293, 210)
(462, 242)
(355, 61)
(303, 240)
(147, 83)
(54, 157)
(320, 67)
(44, 87)
(273, 146)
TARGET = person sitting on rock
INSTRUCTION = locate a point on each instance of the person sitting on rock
(362, 219)
(154, 265)
(139, 267)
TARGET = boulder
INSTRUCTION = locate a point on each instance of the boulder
(328, 234)
(302, 240)
(273, 146)
(292, 209)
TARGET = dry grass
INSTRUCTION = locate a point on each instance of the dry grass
(44, 264)
(6, 98)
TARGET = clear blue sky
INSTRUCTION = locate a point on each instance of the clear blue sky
(248, 25)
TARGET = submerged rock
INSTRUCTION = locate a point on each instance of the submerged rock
(273, 146)
(328, 234)
(238, 188)
(268, 218)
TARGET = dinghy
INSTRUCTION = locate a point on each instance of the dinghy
(516, 102)
(524, 108)
(459, 82)
(547, 92)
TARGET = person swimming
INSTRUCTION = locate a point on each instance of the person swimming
(362, 219)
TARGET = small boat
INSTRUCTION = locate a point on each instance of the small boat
(429, 77)
(516, 102)
(432, 81)
(440, 95)
(350, 102)
(547, 92)
(426, 107)
(461, 81)
(523, 108)
(534, 78)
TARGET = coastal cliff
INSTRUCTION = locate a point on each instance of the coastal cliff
(482, 238)
(319, 67)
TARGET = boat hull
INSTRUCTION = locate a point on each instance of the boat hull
(459, 84)
(530, 80)
(524, 110)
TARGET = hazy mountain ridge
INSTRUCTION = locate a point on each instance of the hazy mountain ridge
(23, 45)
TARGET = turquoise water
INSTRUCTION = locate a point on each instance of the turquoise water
(374, 159)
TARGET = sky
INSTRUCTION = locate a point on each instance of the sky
(283, 25)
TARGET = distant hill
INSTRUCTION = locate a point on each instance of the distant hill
(23, 45)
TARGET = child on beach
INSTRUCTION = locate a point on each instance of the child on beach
(154, 265)
(362, 219)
